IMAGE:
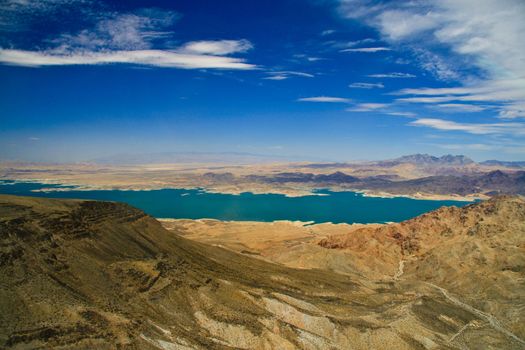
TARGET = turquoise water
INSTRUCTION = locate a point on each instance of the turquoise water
(337, 207)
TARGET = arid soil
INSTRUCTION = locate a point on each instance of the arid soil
(86, 274)
(414, 176)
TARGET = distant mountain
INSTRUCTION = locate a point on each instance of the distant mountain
(502, 163)
(491, 183)
(334, 178)
(423, 160)
(426, 159)
(494, 182)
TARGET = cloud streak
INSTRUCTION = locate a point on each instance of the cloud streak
(367, 107)
(283, 75)
(325, 99)
(137, 38)
(367, 49)
(218, 47)
(157, 58)
(507, 96)
(471, 128)
(366, 85)
(394, 75)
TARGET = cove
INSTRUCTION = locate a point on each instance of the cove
(336, 207)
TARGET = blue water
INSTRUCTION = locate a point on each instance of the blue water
(337, 207)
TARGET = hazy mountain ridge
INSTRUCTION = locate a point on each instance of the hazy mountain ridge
(426, 159)
(509, 164)
(494, 182)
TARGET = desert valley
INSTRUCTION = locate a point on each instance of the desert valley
(89, 274)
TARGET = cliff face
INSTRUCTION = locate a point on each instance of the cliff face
(84, 275)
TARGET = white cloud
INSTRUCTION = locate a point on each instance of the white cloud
(399, 24)
(513, 110)
(392, 75)
(460, 107)
(349, 44)
(129, 31)
(276, 77)
(132, 38)
(218, 47)
(327, 32)
(328, 99)
(471, 128)
(367, 49)
(468, 146)
(289, 72)
(476, 43)
(402, 114)
(366, 85)
(436, 65)
(158, 58)
(505, 96)
(282, 75)
(367, 107)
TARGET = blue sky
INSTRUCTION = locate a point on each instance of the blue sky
(337, 80)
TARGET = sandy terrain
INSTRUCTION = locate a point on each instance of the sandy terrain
(220, 178)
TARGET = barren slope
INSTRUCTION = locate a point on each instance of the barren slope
(477, 252)
(84, 274)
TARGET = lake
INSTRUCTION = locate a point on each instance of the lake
(336, 207)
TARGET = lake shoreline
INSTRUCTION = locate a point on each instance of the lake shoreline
(325, 206)
(290, 193)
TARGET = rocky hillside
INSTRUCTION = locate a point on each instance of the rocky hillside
(85, 275)
(477, 252)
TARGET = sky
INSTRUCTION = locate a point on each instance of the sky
(322, 79)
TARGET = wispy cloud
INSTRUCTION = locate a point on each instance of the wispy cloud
(393, 75)
(327, 32)
(132, 38)
(349, 44)
(460, 107)
(471, 128)
(367, 107)
(467, 146)
(126, 31)
(326, 99)
(506, 96)
(217, 47)
(276, 77)
(477, 45)
(402, 114)
(315, 59)
(436, 65)
(158, 58)
(367, 49)
(366, 85)
(282, 75)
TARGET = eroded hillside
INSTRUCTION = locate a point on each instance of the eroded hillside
(84, 274)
